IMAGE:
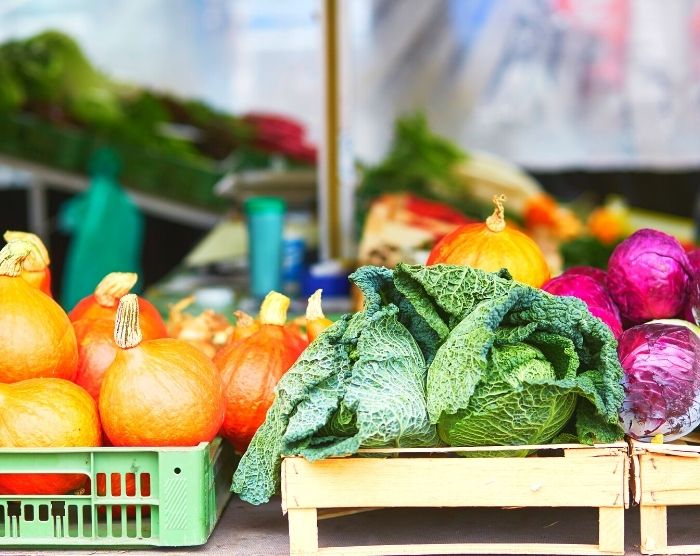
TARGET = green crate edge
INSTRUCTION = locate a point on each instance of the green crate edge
(221, 462)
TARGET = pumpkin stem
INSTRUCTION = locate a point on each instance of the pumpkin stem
(127, 332)
(113, 287)
(497, 222)
(314, 309)
(38, 258)
(274, 309)
(244, 319)
(12, 257)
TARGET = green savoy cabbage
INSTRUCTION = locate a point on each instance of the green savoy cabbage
(440, 354)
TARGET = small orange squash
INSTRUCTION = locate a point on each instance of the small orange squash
(102, 304)
(46, 413)
(316, 321)
(162, 392)
(35, 268)
(36, 337)
(491, 246)
(251, 367)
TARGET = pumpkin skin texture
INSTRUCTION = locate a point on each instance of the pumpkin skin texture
(43, 413)
(102, 304)
(36, 337)
(158, 392)
(250, 368)
(492, 246)
(35, 268)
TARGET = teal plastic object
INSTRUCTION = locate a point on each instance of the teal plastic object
(107, 230)
(178, 496)
(265, 216)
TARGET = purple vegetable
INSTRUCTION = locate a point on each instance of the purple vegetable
(661, 360)
(598, 274)
(592, 293)
(648, 275)
(694, 258)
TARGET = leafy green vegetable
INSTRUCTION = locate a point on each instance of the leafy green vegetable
(548, 350)
(587, 251)
(506, 365)
(419, 162)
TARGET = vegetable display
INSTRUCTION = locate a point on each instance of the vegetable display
(491, 246)
(158, 392)
(648, 276)
(36, 336)
(35, 268)
(250, 367)
(43, 413)
(661, 361)
(440, 353)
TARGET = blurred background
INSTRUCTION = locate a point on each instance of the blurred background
(134, 133)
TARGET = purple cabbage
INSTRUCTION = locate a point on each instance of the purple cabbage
(598, 274)
(592, 293)
(661, 361)
(692, 309)
(648, 276)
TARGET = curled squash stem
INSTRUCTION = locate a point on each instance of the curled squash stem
(12, 257)
(127, 331)
(497, 222)
(274, 309)
(38, 258)
(113, 287)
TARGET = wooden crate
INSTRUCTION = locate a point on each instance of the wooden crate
(575, 476)
(664, 475)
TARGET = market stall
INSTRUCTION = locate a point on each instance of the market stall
(422, 340)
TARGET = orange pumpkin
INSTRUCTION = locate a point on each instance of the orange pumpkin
(96, 352)
(316, 321)
(35, 268)
(158, 392)
(102, 304)
(491, 246)
(46, 413)
(252, 366)
(36, 337)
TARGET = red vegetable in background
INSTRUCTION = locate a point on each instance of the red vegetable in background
(592, 293)
(661, 360)
(648, 276)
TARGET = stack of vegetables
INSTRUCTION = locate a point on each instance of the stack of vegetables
(107, 374)
(448, 354)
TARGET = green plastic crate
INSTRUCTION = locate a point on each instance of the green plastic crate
(175, 498)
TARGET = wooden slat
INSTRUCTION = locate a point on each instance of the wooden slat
(303, 532)
(676, 549)
(331, 513)
(453, 482)
(611, 530)
(602, 449)
(461, 548)
(653, 529)
(668, 480)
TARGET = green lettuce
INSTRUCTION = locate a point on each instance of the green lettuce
(440, 354)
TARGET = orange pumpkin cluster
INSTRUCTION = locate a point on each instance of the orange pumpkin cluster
(107, 372)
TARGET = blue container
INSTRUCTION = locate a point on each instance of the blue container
(265, 216)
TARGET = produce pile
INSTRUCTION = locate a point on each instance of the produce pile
(444, 354)
(481, 348)
(107, 374)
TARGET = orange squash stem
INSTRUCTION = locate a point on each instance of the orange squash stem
(127, 332)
